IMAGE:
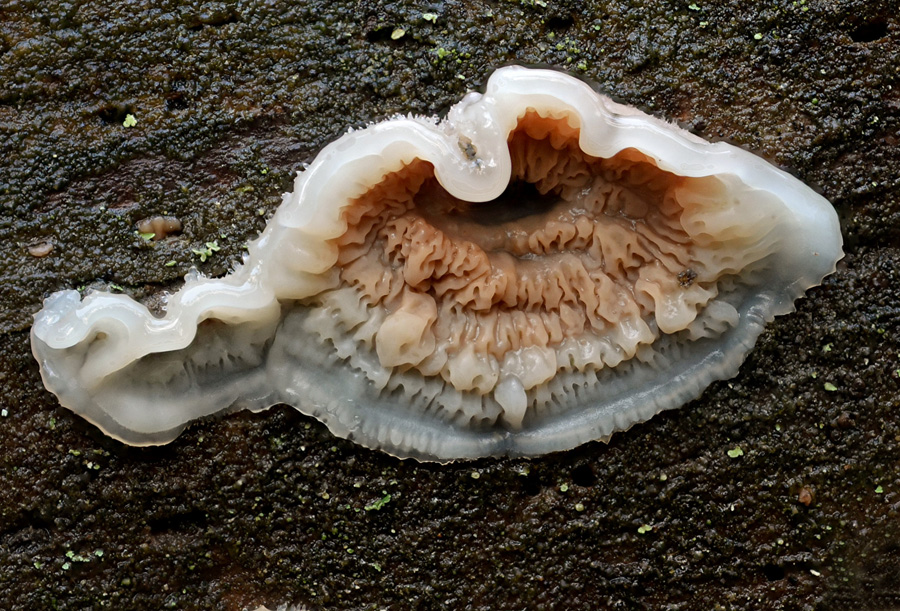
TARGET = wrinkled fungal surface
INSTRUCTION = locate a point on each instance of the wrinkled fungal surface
(540, 269)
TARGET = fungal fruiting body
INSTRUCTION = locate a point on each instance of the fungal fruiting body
(540, 269)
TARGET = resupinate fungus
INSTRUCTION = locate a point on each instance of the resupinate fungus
(541, 268)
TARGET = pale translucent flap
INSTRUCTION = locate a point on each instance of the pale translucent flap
(542, 268)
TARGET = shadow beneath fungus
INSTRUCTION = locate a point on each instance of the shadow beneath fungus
(700, 507)
(870, 31)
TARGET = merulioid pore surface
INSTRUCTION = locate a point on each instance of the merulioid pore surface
(542, 268)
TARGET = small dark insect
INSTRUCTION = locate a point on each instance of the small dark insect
(687, 277)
